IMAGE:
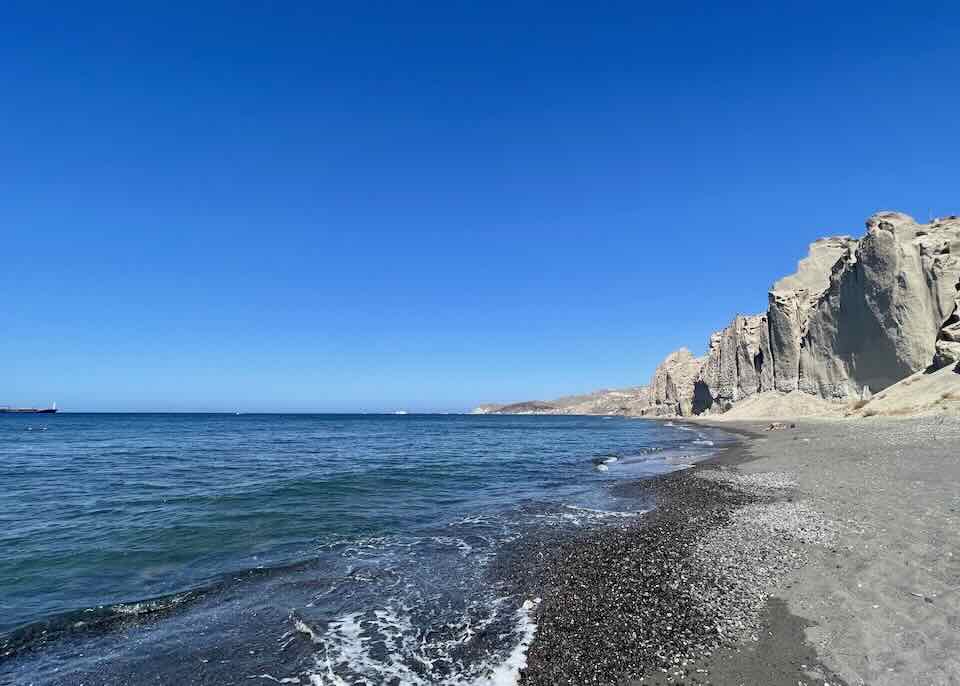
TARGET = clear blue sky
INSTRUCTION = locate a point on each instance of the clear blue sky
(366, 206)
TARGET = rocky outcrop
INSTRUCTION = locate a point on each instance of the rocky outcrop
(947, 347)
(672, 385)
(790, 303)
(762, 352)
(879, 320)
(855, 318)
(738, 365)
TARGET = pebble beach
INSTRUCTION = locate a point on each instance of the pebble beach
(809, 552)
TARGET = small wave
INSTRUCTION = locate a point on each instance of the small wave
(703, 441)
(475, 520)
(574, 515)
(385, 646)
(507, 673)
(681, 459)
(107, 617)
(458, 543)
(270, 677)
(602, 514)
(300, 626)
(102, 618)
(151, 606)
(601, 462)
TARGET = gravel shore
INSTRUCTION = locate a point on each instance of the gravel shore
(824, 553)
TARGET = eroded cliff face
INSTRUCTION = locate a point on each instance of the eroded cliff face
(739, 363)
(672, 385)
(763, 352)
(948, 338)
(856, 317)
(879, 320)
(791, 302)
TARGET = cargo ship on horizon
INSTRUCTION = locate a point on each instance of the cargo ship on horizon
(29, 410)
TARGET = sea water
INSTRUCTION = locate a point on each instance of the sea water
(299, 549)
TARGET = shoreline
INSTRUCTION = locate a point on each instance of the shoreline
(749, 568)
(821, 553)
(344, 604)
(639, 605)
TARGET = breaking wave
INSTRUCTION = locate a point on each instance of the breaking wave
(389, 645)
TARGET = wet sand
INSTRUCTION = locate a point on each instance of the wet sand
(826, 553)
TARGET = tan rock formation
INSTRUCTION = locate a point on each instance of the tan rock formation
(672, 385)
(878, 322)
(738, 364)
(790, 303)
(948, 339)
(856, 317)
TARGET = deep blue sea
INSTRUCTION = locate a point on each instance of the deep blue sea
(299, 549)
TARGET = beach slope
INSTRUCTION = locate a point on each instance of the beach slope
(819, 552)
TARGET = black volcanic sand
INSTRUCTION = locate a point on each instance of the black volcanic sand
(630, 604)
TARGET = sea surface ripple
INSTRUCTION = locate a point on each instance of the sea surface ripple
(301, 549)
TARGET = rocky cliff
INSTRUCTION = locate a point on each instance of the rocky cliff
(879, 320)
(856, 317)
(739, 363)
(672, 386)
(948, 338)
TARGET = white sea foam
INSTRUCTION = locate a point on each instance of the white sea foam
(478, 519)
(304, 628)
(603, 514)
(458, 543)
(270, 677)
(581, 516)
(345, 654)
(148, 606)
(507, 673)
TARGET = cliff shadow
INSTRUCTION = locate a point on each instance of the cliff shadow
(702, 399)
